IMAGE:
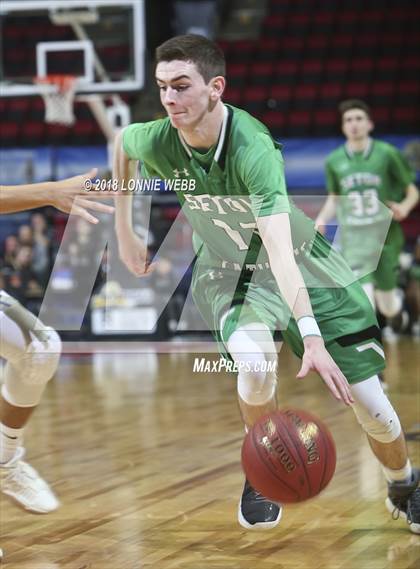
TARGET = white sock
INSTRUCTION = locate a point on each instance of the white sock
(10, 439)
(398, 475)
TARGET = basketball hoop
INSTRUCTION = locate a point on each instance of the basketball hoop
(58, 93)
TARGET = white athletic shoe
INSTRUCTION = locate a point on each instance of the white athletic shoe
(389, 336)
(23, 483)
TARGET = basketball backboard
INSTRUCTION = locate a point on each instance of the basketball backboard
(101, 42)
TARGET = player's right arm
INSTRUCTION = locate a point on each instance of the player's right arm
(132, 250)
(327, 213)
(329, 209)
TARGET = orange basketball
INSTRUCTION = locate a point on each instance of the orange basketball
(289, 456)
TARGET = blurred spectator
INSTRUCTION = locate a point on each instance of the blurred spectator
(23, 266)
(33, 236)
(25, 235)
(11, 246)
(41, 247)
(78, 253)
(25, 262)
(15, 287)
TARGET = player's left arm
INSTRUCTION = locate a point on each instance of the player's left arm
(262, 171)
(402, 209)
(403, 176)
(276, 236)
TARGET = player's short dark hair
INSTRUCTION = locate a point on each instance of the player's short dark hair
(350, 104)
(207, 56)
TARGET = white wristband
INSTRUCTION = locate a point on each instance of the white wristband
(308, 326)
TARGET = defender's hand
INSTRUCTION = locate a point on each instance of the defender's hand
(316, 358)
(71, 196)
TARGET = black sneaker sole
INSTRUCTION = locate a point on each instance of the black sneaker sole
(262, 526)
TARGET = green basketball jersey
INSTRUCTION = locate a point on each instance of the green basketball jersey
(226, 188)
(223, 191)
(365, 182)
(365, 179)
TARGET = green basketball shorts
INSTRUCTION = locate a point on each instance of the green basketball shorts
(228, 299)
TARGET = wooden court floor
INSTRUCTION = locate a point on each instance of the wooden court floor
(145, 457)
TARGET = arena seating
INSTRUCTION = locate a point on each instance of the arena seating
(310, 55)
(309, 67)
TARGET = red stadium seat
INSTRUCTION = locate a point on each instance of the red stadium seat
(407, 115)
(311, 70)
(381, 116)
(268, 49)
(383, 90)
(9, 132)
(316, 45)
(84, 128)
(261, 73)
(233, 95)
(330, 91)
(236, 73)
(255, 100)
(33, 133)
(373, 18)
(299, 122)
(336, 69)
(281, 92)
(242, 51)
(325, 120)
(357, 90)
(287, 70)
(361, 68)
(409, 87)
(323, 21)
(255, 94)
(274, 120)
(292, 47)
(305, 95)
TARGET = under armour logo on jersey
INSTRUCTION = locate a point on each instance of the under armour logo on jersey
(177, 173)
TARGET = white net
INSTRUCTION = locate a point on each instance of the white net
(58, 93)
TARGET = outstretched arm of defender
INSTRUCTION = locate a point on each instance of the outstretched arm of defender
(276, 236)
(68, 196)
(132, 250)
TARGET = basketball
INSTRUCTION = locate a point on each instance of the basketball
(289, 456)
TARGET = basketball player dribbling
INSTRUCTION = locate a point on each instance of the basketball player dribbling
(260, 266)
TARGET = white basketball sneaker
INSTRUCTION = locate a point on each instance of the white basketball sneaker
(23, 483)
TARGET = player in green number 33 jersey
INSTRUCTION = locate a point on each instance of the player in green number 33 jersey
(260, 264)
(364, 176)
